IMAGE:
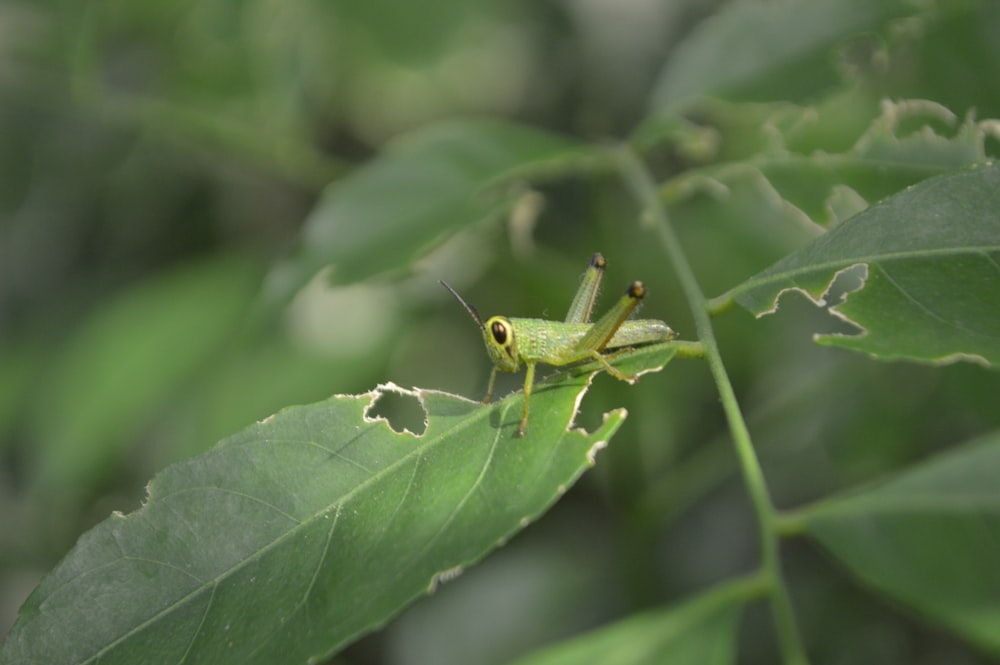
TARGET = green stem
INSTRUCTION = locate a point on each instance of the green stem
(720, 304)
(640, 180)
(687, 349)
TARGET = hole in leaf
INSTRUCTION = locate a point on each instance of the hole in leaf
(846, 282)
(991, 142)
(402, 411)
(821, 313)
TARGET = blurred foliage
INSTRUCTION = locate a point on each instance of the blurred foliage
(159, 162)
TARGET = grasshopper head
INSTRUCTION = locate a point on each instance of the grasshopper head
(498, 333)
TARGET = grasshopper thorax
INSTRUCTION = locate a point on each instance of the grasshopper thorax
(501, 344)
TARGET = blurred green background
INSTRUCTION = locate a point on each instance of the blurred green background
(157, 163)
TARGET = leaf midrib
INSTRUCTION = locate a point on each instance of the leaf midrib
(917, 504)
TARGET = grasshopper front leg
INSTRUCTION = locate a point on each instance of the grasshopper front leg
(489, 388)
(529, 382)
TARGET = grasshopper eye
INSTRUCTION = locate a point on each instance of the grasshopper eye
(499, 331)
(501, 342)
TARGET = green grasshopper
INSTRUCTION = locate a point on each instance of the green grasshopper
(511, 342)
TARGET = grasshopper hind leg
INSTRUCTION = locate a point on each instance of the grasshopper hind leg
(611, 369)
(583, 302)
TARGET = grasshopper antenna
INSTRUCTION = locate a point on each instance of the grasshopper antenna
(468, 308)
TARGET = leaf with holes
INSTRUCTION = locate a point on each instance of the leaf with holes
(930, 261)
(292, 538)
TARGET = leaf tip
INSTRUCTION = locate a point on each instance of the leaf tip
(604, 432)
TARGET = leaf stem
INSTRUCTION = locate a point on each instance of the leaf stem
(638, 177)
(687, 349)
(720, 304)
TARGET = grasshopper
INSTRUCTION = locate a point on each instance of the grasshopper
(511, 342)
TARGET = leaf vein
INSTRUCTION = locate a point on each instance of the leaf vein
(905, 293)
(194, 634)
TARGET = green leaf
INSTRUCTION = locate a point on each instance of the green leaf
(772, 50)
(700, 631)
(421, 188)
(927, 538)
(308, 529)
(930, 261)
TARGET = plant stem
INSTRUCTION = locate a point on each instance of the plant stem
(640, 180)
(687, 349)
